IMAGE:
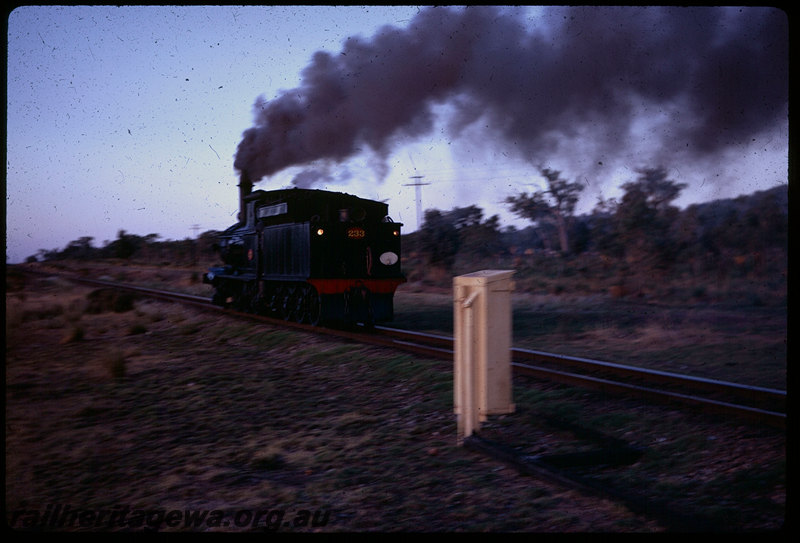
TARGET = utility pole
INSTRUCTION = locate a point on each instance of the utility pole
(195, 228)
(418, 188)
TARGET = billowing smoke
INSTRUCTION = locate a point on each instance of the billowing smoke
(320, 174)
(716, 76)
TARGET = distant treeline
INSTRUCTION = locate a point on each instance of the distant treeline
(640, 235)
(134, 247)
(636, 234)
(622, 244)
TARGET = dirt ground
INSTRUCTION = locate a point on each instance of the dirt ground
(152, 416)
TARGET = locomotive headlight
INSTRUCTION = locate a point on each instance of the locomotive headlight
(388, 258)
(320, 231)
(395, 233)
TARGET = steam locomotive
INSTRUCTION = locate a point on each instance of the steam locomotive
(310, 256)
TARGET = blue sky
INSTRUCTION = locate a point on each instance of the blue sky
(130, 117)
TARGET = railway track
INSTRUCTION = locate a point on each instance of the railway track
(756, 404)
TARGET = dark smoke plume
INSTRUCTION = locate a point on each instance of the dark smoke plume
(719, 76)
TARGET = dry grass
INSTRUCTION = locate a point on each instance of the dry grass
(216, 413)
(114, 362)
(648, 336)
(74, 333)
(740, 343)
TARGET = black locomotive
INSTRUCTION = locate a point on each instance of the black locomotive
(311, 256)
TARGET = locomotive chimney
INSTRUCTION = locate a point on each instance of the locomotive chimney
(245, 187)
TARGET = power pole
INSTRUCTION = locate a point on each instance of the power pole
(195, 228)
(418, 188)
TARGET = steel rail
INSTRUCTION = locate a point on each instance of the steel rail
(773, 416)
(755, 414)
(755, 393)
(441, 347)
(654, 376)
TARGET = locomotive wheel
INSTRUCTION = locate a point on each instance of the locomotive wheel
(282, 299)
(225, 294)
(369, 324)
(273, 300)
(245, 298)
(259, 305)
(311, 308)
(238, 297)
(297, 304)
(251, 300)
(288, 305)
(219, 297)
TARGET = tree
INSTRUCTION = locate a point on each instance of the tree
(555, 204)
(124, 246)
(602, 227)
(478, 238)
(79, 249)
(644, 215)
(659, 192)
(438, 239)
(444, 234)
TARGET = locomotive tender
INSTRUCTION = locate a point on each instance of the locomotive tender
(310, 256)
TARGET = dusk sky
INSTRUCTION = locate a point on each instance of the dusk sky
(142, 118)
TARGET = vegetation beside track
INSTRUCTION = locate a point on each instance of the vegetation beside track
(206, 413)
